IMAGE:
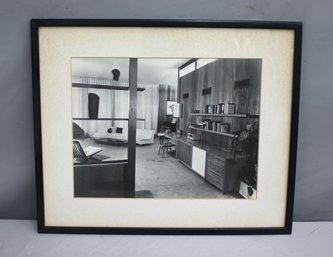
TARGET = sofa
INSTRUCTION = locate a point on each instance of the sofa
(120, 135)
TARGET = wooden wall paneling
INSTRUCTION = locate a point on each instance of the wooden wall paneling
(247, 97)
(189, 101)
(254, 103)
(187, 82)
(166, 93)
(241, 95)
(162, 108)
(199, 102)
(221, 76)
(181, 88)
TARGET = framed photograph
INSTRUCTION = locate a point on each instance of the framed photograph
(112, 153)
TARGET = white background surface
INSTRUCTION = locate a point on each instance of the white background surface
(309, 239)
(314, 176)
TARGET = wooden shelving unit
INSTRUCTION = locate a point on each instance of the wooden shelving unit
(109, 87)
(81, 85)
(106, 119)
(215, 132)
(236, 115)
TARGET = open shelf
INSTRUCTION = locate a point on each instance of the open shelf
(236, 115)
(106, 119)
(103, 86)
(214, 132)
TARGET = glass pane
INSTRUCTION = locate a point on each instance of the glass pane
(100, 111)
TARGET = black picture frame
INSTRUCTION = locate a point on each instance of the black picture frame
(36, 24)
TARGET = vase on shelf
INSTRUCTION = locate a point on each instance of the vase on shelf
(93, 105)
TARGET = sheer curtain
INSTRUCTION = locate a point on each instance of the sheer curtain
(147, 106)
(114, 104)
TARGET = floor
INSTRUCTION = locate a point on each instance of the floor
(161, 177)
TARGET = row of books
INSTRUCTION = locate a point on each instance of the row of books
(217, 126)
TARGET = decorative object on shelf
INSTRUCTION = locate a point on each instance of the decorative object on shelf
(115, 74)
(225, 128)
(221, 108)
(209, 108)
(231, 108)
(208, 124)
(214, 108)
(93, 105)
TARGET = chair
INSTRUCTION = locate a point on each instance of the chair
(84, 153)
(165, 145)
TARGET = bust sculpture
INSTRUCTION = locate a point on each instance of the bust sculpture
(116, 74)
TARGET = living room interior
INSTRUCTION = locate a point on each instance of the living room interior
(165, 128)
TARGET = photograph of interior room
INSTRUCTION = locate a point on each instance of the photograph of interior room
(196, 127)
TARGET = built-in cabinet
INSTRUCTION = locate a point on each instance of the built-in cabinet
(233, 83)
(215, 166)
(223, 172)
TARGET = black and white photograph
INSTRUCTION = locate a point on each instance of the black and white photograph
(165, 127)
(144, 134)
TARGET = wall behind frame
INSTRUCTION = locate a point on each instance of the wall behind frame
(314, 192)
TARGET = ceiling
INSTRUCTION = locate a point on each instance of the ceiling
(150, 70)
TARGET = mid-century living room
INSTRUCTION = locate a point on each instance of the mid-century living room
(165, 128)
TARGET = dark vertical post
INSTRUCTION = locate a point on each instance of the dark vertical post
(133, 85)
(178, 98)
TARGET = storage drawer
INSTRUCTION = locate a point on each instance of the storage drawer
(215, 171)
(216, 160)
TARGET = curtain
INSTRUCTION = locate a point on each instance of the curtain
(114, 104)
(147, 106)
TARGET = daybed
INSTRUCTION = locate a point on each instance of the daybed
(120, 135)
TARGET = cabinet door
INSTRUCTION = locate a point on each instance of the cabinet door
(184, 153)
(199, 161)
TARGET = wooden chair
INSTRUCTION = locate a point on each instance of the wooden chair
(165, 145)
